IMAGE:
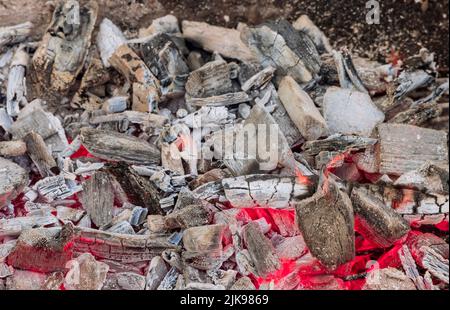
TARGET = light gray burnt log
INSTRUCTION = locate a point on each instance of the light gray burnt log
(327, 224)
(12, 148)
(13, 179)
(337, 142)
(63, 49)
(376, 221)
(15, 34)
(40, 155)
(279, 45)
(188, 216)
(98, 198)
(114, 146)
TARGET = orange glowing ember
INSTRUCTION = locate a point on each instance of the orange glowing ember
(301, 178)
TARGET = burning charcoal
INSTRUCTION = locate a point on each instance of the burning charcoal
(261, 250)
(388, 279)
(291, 248)
(351, 72)
(259, 80)
(302, 110)
(429, 178)
(378, 222)
(85, 273)
(206, 238)
(25, 280)
(123, 227)
(65, 214)
(115, 51)
(226, 42)
(16, 89)
(279, 45)
(170, 280)
(40, 154)
(404, 148)
(265, 191)
(54, 281)
(63, 49)
(13, 179)
(157, 270)
(165, 60)
(130, 281)
(350, 112)
(326, 223)
(410, 81)
(12, 148)
(15, 226)
(188, 216)
(337, 142)
(410, 268)
(110, 145)
(243, 283)
(11, 35)
(304, 24)
(42, 249)
(98, 198)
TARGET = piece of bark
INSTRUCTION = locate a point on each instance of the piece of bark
(13, 179)
(151, 120)
(201, 239)
(115, 146)
(42, 249)
(326, 223)
(404, 148)
(140, 190)
(261, 250)
(12, 148)
(17, 90)
(226, 42)
(301, 109)
(219, 100)
(85, 273)
(188, 216)
(306, 25)
(376, 221)
(337, 143)
(11, 35)
(350, 112)
(115, 51)
(98, 198)
(279, 45)
(388, 279)
(62, 52)
(165, 60)
(265, 191)
(120, 247)
(243, 283)
(40, 155)
(259, 80)
(157, 270)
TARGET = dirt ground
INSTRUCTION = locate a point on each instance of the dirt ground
(405, 26)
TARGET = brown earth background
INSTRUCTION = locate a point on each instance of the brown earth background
(404, 27)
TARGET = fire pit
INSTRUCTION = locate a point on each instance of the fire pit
(198, 157)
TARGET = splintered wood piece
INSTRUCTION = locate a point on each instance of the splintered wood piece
(436, 264)
(258, 80)
(220, 100)
(157, 270)
(327, 224)
(410, 267)
(226, 42)
(349, 112)
(305, 24)
(111, 145)
(15, 226)
(265, 191)
(301, 110)
(188, 216)
(261, 250)
(279, 45)
(40, 154)
(11, 35)
(120, 247)
(42, 249)
(13, 179)
(376, 221)
(162, 57)
(62, 52)
(85, 273)
(98, 198)
(140, 190)
(145, 119)
(12, 148)
(404, 148)
(212, 79)
(337, 143)
(17, 89)
(207, 238)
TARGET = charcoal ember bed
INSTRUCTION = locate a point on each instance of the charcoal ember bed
(191, 156)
